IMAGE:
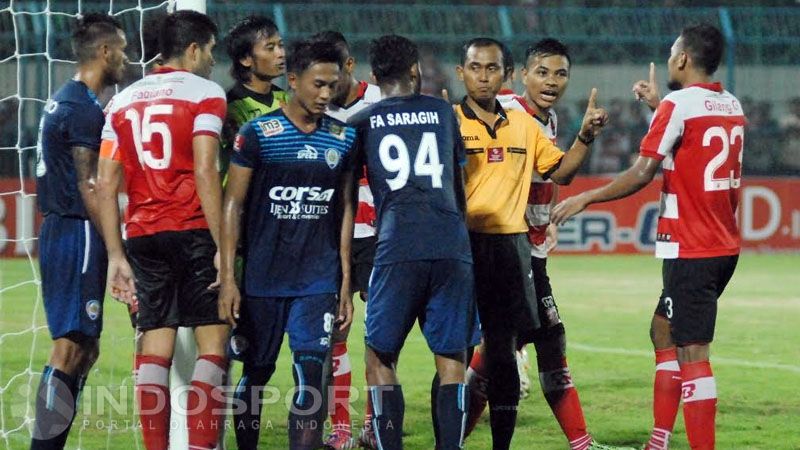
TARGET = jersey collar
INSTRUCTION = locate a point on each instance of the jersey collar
(241, 91)
(167, 69)
(492, 130)
(89, 92)
(715, 86)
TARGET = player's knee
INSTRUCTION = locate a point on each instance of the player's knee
(253, 375)
(73, 351)
(551, 344)
(308, 369)
(660, 332)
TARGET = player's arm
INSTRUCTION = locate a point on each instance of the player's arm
(551, 234)
(593, 121)
(209, 187)
(120, 276)
(85, 160)
(232, 206)
(627, 183)
(348, 199)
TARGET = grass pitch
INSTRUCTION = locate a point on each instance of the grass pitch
(605, 301)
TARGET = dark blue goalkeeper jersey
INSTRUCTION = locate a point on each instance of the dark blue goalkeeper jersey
(293, 219)
(413, 152)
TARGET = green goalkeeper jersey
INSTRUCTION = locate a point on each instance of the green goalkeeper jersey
(245, 105)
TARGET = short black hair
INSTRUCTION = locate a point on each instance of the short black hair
(547, 47)
(391, 57)
(705, 43)
(181, 28)
(508, 61)
(91, 30)
(482, 42)
(303, 54)
(336, 38)
(241, 39)
(151, 27)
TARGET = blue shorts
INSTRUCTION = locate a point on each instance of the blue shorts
(438, 293)
(258, 336)
(73, 265)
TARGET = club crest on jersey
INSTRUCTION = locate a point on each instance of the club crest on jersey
(337, 131)
(271, 127)
(238, 143)
(332, 157)
(495, 154)
(308, 152)
(93, 309)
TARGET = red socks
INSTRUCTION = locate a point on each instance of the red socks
(666, 398)
(206, 401)
(563, 399)
(152, 395)
(341, 387)
(699, 404)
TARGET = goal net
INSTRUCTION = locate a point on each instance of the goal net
(35, 60)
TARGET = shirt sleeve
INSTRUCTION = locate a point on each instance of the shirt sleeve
(353, 158)
(665, 130)
(546, 155)
(110, 150)
(211, 112)
(83, 128)
(246, 147)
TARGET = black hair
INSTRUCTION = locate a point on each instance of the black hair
(304, 54)
(392, 57)
(547, 47)
(705, 43)
(482, 42)
(92, 30)
(150, 30)
(508, 62)
(182, 28)
(336, 38)
(241, 39)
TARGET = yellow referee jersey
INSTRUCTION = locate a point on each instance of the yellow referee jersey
(501, 159)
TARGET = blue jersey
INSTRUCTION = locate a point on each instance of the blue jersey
(413, 151)
(292, 227)
(72, 118)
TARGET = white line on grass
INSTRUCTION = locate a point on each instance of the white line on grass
(714, 359)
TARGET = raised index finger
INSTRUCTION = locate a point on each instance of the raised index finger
(652, 74)
(592, 99)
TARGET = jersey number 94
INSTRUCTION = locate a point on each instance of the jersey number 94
(426, 162)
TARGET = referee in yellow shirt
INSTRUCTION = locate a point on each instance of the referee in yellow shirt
(503, 149)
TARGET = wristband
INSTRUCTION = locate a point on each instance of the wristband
(585, 141)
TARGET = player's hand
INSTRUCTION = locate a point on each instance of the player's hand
(568, 208)
(344, 317)
(647, 90)
(594, 119)
(551, 237)
(228, 302)
(215, 285)
(121, 281)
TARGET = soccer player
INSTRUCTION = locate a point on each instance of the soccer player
(297, 165)
(351, 97)
(504, 148)
(166, 128)
(72, 257)
(423, 266)
(257, 55)
(697, 138)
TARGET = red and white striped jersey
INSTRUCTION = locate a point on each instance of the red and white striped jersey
(698, 135)
(540, 197)
(368, 94)
(152, 123)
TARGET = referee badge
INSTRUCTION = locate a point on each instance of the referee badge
(332, 158)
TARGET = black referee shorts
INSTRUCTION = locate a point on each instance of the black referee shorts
(504, 288)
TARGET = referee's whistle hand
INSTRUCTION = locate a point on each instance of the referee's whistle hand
(228, 303)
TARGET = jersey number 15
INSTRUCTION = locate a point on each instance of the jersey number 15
(426, 163)
(143, 131)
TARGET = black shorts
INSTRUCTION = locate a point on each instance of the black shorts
(689, 298)
(173, 270)
(504, 289)
(363, 256)
(547, 308)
